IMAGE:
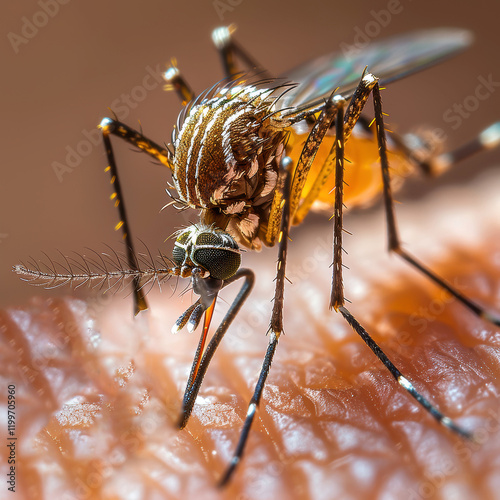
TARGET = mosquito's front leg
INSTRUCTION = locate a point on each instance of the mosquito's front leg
(110, 127)
(202, 359)
(113, 127)
(276, 325)
(175, 81)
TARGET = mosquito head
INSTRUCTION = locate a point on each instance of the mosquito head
(212, 256)
(208, 248)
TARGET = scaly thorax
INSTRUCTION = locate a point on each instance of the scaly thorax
(226, 160)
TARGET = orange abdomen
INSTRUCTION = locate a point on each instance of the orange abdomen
(362, 175)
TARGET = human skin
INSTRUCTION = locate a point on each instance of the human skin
(98, 393)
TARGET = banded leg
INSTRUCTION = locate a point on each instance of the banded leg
(291, 186)
(352, 116)
(337, 300)
(228, 48)
(417, 152)
(310, 149)
(400, 378)
(489, 138)
(394, 242)
(275, 328)
(108, 127)
(306, 159)
(175, 81)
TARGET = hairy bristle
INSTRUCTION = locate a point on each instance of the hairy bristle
(103, 271)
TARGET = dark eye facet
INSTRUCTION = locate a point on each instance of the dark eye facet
(219, 254)
(210, 248)
(219, 262)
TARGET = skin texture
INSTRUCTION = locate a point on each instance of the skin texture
(97, 399)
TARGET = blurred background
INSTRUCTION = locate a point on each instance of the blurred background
(65, 64)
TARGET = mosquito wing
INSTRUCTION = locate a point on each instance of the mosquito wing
(388, 60)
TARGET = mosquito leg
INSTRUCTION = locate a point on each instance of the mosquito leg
(221, 38)
(307, 156)
(175, 81)
(416, 151)
(291, 186)
(337, 295)
(252, 408)
(309, 151)
(400, 378)
(337, 300)
(352, 116)
(489, 138)
(109, 127)
(393, 236)
(275, 328)
(229, 48)
(194, 382)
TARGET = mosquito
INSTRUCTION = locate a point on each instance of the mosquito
(254, 154)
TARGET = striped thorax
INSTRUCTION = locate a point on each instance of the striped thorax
(227, 151)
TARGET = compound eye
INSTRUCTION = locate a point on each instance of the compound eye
(179, 251)
(219, 254)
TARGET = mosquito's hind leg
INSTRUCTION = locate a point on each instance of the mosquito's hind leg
(489, 138)
(337, 300)
(394, 242)
(228, 48)
(109, 127)
(419, 149)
